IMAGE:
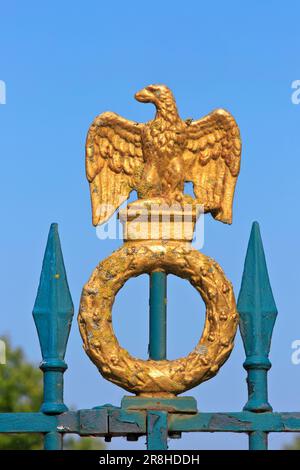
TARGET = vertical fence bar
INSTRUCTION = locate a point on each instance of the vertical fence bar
(158, 316)
(258, 440)
(157, 430)
(258, 313)
(53, 312)
(53, 441)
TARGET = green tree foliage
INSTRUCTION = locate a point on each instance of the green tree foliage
(83, 443)
(21, 390)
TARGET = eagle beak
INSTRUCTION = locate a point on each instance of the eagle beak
(144, 96)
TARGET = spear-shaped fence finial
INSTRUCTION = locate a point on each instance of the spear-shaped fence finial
(258, 313)
(53, 313)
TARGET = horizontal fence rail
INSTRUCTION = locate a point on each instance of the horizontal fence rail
(115, 422)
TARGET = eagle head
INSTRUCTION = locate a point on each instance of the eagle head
(154, 94)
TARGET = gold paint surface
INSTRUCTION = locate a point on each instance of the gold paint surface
(158, 157)
(146, 220)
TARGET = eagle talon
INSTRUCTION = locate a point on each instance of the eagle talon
(189, 121)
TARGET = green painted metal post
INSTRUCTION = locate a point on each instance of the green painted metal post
(157, 421)
(157, 430)
(53, 313)
(258, 440)
(53, 441)
(158, 316)
(258, 313)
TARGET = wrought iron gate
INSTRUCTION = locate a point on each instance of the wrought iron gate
(158, 419)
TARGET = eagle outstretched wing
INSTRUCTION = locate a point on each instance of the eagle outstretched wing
(212, 162)
(114, 161)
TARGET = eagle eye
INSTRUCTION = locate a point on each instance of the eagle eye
(154, 90)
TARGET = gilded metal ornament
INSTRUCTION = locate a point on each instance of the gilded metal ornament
(156, 158)
(148, 377)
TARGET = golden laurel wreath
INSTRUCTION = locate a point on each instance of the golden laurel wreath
(165, 377)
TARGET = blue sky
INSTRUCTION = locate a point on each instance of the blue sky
(65, 62)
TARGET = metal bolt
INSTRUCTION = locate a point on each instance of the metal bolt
(175, 435)
(132, 437)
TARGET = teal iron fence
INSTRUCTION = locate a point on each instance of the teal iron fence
(53, 312)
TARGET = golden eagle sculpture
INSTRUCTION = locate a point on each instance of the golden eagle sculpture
(156, 158)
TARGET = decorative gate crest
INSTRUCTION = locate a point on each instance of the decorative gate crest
(156, 159)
